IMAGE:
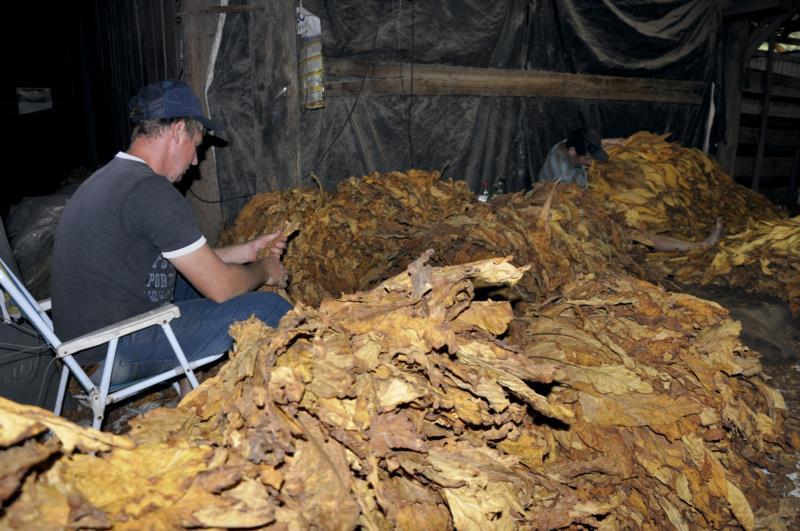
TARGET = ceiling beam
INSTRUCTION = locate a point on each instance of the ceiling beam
(738, 8)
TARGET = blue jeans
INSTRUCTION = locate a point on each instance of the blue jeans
(201, 330)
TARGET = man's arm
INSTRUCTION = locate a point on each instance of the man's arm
(613, 142)
(668, 244)
(220, 281)
(243, 253)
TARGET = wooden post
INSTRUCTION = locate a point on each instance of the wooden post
(733, 72)
(276, 95)
(198, 34)
(762, 130)
(791, 195)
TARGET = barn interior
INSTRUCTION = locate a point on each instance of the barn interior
(471, 346)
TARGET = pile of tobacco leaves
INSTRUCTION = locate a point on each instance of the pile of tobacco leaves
(418, 405)
(453, 364)
(664, 188)
(371, 228)
(764, 258)
(658, 187)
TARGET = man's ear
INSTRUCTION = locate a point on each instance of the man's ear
(177, 129)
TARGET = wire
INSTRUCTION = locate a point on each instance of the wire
(221, 200)
(358, 96)
(335, 138)
(410, 98)
(44, 380)
(19, 328)
(32, 351)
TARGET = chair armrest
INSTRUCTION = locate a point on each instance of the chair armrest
(158, 316)
(45, 304)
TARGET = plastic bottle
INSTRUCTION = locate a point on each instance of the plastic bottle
(483, 197)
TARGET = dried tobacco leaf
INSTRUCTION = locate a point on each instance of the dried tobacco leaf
(482, 395)
(661, 187)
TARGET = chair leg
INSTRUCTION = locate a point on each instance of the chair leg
(100, 397)
(62, 390)
(180, 355)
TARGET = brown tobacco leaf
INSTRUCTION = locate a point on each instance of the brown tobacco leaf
(763, 258)
(562, 393)
(343, 247)
(662, 187)
(659, 187)
(19, 422)
(15, 462)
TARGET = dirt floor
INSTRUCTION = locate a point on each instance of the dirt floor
(767, 327)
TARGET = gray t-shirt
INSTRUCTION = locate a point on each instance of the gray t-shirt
(557, 164)
(111, 247)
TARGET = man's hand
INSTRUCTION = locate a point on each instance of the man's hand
(613, 142)
(275, 271)
(275, 242)
(247, 252)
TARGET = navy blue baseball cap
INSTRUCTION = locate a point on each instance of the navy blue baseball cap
(169, 99)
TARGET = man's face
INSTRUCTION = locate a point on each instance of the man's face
(185, 153)
(578, 160)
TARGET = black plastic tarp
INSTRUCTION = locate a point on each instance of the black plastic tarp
(472, 138)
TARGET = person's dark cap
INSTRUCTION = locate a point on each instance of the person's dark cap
(587, 141)
(169, 99)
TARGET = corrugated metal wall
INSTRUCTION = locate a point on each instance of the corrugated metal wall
(126, 44)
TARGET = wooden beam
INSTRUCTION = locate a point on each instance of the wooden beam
(216, 10)
(198, 35)
(782, 86)
(787, 40)
(442, 80)
(733, 72)
(276, 94)
(766, 28)
(775, 137)
(794, 180)
(762, 128)
(770, 167)
(748, 7)
(776, 109)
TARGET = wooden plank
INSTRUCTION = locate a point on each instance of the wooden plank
(218, 10)
(753, 7)
(776, 109)
(762, 129)
(775, 137)
(735, 42)
(276, 93)
(444, 80)
(794, 180)
(198, 35)
(770, 167)
(782, 86)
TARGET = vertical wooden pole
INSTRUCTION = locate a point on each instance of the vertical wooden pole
(762, 130)
(276, 95)
(733, 73)
(198, 29)
(791, 195)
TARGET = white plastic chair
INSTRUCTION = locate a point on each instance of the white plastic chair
(99, 397)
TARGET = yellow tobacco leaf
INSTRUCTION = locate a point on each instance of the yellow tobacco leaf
(396, 391)
(635, 410)
(490, 316)
(740, 507)
(18, 422)
(614, 379)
